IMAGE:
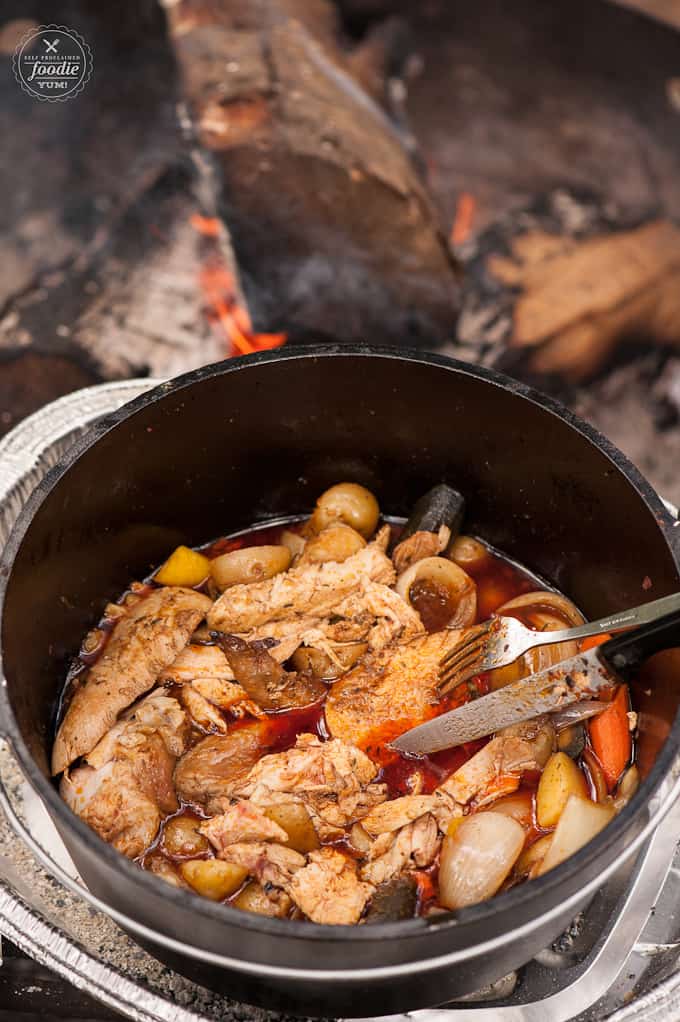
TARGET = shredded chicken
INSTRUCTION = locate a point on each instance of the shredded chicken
(418, 546)
(328, 889)
(126, 787)
(494, 771)
(208, 771)
(383, 612)
(268, 863)
(332, 779)
(414, 846)
(399, 812)
(143, 642)
(202, 711)
(242, 821)
(204, 669)
(389, 691)
(156, 712)
(309, 590)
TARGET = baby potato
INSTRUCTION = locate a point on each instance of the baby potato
(349, 503)
(181, 837)
(334, 543)
(560, 779)
(253, 898)
(213, 878)
(251, 564)
(184, 567)
(297, 824)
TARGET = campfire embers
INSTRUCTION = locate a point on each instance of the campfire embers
(265, 170)
(224, 305)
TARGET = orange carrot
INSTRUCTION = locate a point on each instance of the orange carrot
(594, 640)
(610, 737)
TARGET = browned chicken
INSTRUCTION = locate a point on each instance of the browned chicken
(208, 772)
(241, 822)
(419, 545)
(268, 863)
(399, 812)
(127, 787)
(264, 680)
(203, 713)
(334, 780)
(379, 616)
(144, 641)
(328, 889)
(414, 846)
(310, 590)
(389, 691)
(493, 771)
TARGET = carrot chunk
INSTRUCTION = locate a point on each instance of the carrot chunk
(595, 640)
(610, 737)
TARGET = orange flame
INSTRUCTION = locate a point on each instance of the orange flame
(208, 225)
(219, 287)
(461, 228)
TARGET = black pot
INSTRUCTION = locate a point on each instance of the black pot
(255, 438)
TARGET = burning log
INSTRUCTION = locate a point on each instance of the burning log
(333, 231)
(578, 300)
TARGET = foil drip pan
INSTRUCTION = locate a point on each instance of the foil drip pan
(619, 961)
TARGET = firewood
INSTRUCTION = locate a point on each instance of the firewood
(578, 300)
(333, 230)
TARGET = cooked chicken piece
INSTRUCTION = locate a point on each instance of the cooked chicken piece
(125, 798)
(389, 691)
(328, 889)
(332, 779)
(493, 771)
(394, 616)
(539, 733)
(211, 768)
(415, 845)
(157, 712)
(418, 546)
(199, 662)
(143, 642)
(227, 695)
(399, 812)
(268, 863)
(266, 681)
(374, 614)
(242, 821)
(314, 589)
(202, 712)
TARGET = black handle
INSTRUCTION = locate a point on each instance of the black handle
(626, 653)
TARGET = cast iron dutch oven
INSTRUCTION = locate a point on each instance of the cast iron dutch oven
(255, 438)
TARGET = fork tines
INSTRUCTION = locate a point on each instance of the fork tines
(465, 659)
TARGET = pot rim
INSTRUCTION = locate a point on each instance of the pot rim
(545, 886)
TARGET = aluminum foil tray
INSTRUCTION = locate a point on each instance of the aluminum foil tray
(619, 961)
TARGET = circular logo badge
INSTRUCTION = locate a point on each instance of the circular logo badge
(52, 63)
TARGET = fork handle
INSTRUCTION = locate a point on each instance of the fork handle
(615, 622)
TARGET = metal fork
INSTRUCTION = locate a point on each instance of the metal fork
(501, 640)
